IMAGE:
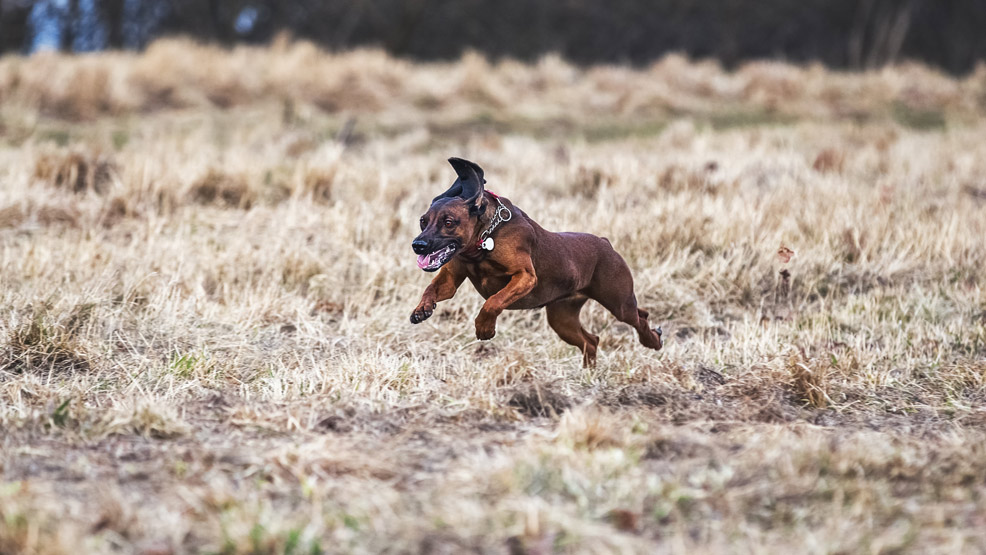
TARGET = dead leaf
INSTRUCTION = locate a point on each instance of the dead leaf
(327, 307)
(624, 520)
(829, 160)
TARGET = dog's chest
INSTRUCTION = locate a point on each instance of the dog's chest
(488, 284)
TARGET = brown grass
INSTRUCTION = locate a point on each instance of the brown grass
(207, 279)
(75, 171)
(180, 74)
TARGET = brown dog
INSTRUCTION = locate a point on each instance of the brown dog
(514, 263)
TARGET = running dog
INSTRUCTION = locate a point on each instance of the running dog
(514, 263)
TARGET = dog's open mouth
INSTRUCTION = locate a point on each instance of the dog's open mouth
(435, 260)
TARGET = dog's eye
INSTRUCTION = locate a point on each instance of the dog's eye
(423, 223)
(449, 223)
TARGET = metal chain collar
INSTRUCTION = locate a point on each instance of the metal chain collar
(502, 215)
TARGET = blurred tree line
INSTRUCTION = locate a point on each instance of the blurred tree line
(852, 34)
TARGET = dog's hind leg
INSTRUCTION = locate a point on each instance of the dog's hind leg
(613, 288)
(628, 313)
(563, 317)
(649, 337)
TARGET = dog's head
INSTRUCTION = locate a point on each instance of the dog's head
(452, 220)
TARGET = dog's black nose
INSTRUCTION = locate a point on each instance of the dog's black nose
(419, 246)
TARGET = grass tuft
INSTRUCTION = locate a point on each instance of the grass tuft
(76, 172)
(222, 189)
(44, 345)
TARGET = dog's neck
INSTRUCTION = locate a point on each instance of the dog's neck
(483, 223)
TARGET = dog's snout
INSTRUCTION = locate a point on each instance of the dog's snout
(420, 246)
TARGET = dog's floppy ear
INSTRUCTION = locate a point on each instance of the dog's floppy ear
(469, 186)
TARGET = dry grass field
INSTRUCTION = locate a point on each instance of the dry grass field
(207, 277)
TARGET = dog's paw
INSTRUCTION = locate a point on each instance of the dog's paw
(422, 313)
(485, 330)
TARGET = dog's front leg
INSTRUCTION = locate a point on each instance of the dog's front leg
(441, 288)
(521, 283)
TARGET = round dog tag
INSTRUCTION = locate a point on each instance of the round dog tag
(487, 244)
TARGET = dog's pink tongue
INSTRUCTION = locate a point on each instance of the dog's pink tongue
(424, 260)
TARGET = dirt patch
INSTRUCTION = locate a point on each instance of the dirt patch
(539, 400)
